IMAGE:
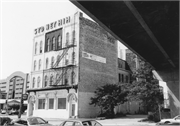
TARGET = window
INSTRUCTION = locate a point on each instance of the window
(51, 103)
(73, 37)
(57, 76)
(46, 81)
(65, 78)
(122, 77)
(72, 77)
(47, 61)
(54, 43)
(41, 47)
(68, 123)
(48, 45)
(73, 57)
(38, 81)
(127, 79)
(66, 62)
(41, 103)
(52, 61)
(35, 48)
(34, 80)
(39, 64)
(59, 42)
(51, 79)
(119, 77)
(34, 65)
(61, 103)
(67, 38)
(57, 60)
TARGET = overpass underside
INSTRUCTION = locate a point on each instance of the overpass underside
(148, 28)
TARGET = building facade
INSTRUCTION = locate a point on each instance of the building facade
(71, 58)
(3, 89)
(13, 87)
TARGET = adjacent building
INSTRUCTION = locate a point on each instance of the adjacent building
(13, 87)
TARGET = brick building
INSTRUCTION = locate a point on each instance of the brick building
(71, 58)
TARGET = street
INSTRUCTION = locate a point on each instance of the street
(129, 120)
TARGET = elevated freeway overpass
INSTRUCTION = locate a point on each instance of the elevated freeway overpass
(148, 28)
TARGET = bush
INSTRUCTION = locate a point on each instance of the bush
(3, 120)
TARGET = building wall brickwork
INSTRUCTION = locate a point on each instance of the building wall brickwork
(99, 68)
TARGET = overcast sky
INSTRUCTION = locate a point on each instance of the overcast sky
(18, 21)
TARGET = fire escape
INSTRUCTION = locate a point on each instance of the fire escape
(67, 68)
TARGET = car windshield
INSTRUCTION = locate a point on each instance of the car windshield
(36, 120)
(91, 123)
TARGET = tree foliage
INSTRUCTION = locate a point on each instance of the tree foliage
(109, 96)
(145, 87)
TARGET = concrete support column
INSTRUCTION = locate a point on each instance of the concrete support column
(171, 77)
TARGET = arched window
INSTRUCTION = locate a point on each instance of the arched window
(39, 64)
(57, 77)
(73, 37)
(41, 47)
(73, 57)
(34, 65)
(66, 78)
(54, 43)
(67, 38)
(35, 47)
(47, 62)
(46, 81)
(52, 61)
(57, 60)
(33, 84)
(38, 81)
(72, 77)
(51, 79)
(48, 45)
(59, 42)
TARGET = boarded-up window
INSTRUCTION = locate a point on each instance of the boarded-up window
(61, 103)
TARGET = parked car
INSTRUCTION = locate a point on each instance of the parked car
(173, 121)
(80, 122)
(30, 121)
(3, 111)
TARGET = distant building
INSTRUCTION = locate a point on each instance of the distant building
(3, 89)
(13, 86)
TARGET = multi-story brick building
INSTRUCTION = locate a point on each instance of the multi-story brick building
(71, 58)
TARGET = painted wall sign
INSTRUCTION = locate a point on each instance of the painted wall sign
(52, 25)
(93, 57)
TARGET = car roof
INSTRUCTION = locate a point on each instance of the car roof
(80, 119)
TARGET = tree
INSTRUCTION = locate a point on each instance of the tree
(109, 96)
(145, 87)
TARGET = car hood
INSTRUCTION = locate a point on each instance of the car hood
(171, 120)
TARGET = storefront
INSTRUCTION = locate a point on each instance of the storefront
(53, 103)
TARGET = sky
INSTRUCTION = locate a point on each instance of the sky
(18, 21)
